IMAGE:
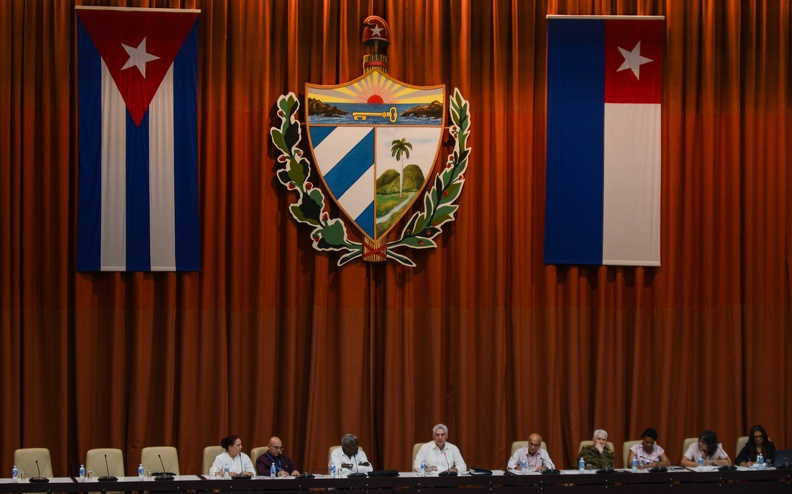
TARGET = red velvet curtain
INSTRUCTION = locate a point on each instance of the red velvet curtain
(270, 337)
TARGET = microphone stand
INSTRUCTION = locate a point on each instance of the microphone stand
(163, 476)
(108, 477)
(38, 479)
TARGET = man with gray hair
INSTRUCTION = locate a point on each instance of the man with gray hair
(599, 455)
(439, 455)
(350, 458)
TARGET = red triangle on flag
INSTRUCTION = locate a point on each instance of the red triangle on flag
(138, 46)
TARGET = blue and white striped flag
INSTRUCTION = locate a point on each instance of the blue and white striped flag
(138, 197)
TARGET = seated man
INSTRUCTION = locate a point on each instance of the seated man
(534, 458)
(439, 455)
(350, 458)
(274, 455)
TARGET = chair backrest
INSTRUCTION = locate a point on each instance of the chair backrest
(209, 455)
(95, 461)
(583, 444)
(151, 462)
(687, 442)
(25, 460)
(256, 452)
(416, 447)
(741, 442)
(330, 451)
(627, 447)
(524, 444)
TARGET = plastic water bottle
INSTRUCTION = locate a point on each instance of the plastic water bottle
(423, 469)
(82, 472)
(634, 465)
(226, 472)
(581, 464)
(273, 470)
(760, 461)
(331, 470)
(15, 473)
(523, 464)
(141, 472)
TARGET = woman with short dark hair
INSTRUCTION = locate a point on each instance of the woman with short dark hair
(648, 453)
(232, 460)
(758, 442)
(706, 451)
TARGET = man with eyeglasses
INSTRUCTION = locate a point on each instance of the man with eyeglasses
(350, 457)
(274, 455)
(534, 458)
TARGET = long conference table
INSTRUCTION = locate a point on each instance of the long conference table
(568, 482)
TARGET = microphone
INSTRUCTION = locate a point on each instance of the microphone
(38, 479)
(163, 476)
(108, 477)
(243, 475)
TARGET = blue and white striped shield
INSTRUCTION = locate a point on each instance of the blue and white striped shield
(374, 141)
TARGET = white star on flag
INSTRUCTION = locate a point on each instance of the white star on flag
(633, 60)
(376, 31)
(138, 57)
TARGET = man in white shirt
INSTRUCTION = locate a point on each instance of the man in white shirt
(534, 458)
(439, 455)
(350, 458)
(237, 462)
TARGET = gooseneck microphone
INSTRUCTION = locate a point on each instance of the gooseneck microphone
(163, 476)
(38, 479)
(108, 477)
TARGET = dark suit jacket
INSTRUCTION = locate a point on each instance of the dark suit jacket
(282, 462)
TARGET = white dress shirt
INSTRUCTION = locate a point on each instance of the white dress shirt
(359, 462)
(240, 463)
(532, 461)
(444, 459)
(694, 453)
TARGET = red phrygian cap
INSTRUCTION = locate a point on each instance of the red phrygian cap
(375, 29)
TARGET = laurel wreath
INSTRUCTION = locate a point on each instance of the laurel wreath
(330, 233)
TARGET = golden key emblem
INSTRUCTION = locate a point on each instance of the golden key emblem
(391, 114)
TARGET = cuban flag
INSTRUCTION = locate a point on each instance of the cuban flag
(605, 88)
(138, 186)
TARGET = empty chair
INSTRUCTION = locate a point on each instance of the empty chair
(95, 462)
(150, 458)
(524, 444)
(209, 455)
(25, 460)
(627, 447)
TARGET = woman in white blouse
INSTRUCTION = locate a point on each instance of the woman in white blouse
(707, 451)
(232, 460)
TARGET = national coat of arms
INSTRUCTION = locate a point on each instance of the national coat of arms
(374, 142)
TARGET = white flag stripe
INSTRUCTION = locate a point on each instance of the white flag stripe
(337, 145)
(113, 169)
(357, 198)
(162, 204)
(631, 192)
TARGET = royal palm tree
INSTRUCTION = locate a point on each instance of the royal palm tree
(401, 147)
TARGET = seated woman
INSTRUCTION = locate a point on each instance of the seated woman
(598, 456)
(236, 462)
(706, 451)
(649, 454)
(757, 443)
